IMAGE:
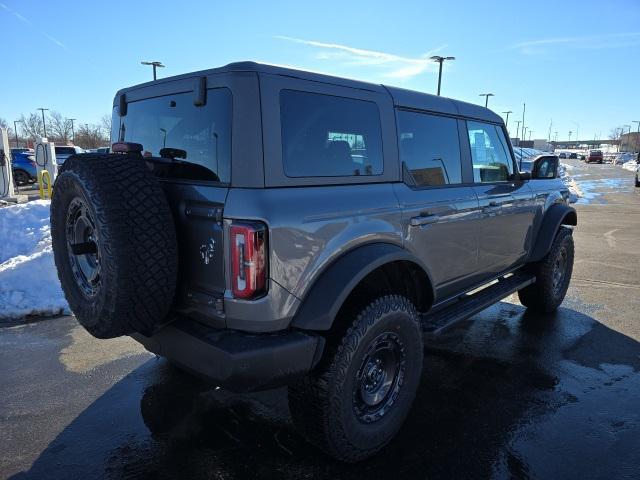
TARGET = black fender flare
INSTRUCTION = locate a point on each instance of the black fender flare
(558, 214)
(321, 305)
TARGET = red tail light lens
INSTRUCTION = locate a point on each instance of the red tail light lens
(248, 259)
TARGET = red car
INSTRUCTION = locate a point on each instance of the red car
(594, 156)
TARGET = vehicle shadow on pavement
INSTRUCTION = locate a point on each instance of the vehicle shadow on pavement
(486, 382)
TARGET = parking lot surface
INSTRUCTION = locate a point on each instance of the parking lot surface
(506, 394)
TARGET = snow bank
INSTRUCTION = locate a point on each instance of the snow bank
(574, 190)
(28, 280)
(630, 165)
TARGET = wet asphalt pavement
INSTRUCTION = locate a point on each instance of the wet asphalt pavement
(506, 394)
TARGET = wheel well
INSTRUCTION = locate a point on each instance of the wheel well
(401, 277)
(570, 219)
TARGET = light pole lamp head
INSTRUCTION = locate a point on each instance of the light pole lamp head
(439, 59)
(154, 64)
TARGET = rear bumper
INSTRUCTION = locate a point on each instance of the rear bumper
(235, 360)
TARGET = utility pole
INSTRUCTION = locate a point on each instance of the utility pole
(73, 132)
(44, 125)
(486, 98)
(518, 122)
(155, 64)
(440, 60)
(506, 121)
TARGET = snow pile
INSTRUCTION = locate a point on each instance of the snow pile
(630, 165)
(574, 190)
(28, 280)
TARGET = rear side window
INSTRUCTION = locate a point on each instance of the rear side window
(489, 152)
(65, 150)
(190, 142)
(327, 136)
(430, 148)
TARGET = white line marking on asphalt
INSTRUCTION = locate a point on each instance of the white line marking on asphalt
(611, 240)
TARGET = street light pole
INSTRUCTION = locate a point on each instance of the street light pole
(15, 130)
(486, 98)
(73, 132)
(628, 135)
(155, 64)
(518, 122)
(440, 60)
(44, 124)
(530, 133)
(570, 132)
(506, 121)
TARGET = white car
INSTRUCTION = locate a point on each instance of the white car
(65, 151)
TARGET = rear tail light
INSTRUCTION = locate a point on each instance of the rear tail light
(248, 244)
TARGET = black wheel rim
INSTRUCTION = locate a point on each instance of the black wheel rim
(559, 271)
(82, 238)
(379, 378)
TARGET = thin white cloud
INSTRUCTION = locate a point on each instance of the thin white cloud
(613, 40)
(26, 21)
(391, 65)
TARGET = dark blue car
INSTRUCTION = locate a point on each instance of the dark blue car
(24, 166)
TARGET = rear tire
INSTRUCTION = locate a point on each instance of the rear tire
(112, 206)
(21, 178)
(361, 393)
(553, 274)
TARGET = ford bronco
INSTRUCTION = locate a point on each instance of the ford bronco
(263, 226)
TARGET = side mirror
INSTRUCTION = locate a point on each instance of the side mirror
(545, 168)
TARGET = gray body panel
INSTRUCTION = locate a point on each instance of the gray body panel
(461, 235)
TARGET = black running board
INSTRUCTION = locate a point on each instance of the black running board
(468, 305)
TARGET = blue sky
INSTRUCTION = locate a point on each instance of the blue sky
(576, 62)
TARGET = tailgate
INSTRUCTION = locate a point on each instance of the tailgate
(198, 214)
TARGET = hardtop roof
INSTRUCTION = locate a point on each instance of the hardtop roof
(401, 97)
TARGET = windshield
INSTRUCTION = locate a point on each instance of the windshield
(194, 141)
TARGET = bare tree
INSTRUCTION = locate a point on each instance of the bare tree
(616, 133)
(32, 125)
(60, 128)
(91, 136)
(105, 124)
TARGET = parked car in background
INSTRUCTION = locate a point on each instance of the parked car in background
(573, 155)
(103, 150)
(562, 155)
(23, 165)
(65, 151)
(595, 156)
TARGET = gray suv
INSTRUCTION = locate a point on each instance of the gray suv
(263, 226)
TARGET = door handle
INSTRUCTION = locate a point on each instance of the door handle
(424, 220)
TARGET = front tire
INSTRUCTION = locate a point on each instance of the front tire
(360, 395)
(553, 274)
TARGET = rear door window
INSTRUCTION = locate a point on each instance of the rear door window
(430, 148)
(489, 152)
(65, 151)
(329, 136)
(190, 142)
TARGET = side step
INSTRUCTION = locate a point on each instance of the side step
(469, 304)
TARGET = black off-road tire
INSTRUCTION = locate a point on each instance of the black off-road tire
(136, 254)
(637, 181)
(546, 294)
(324, 405)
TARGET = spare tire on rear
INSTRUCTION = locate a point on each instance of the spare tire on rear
(114, 244)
